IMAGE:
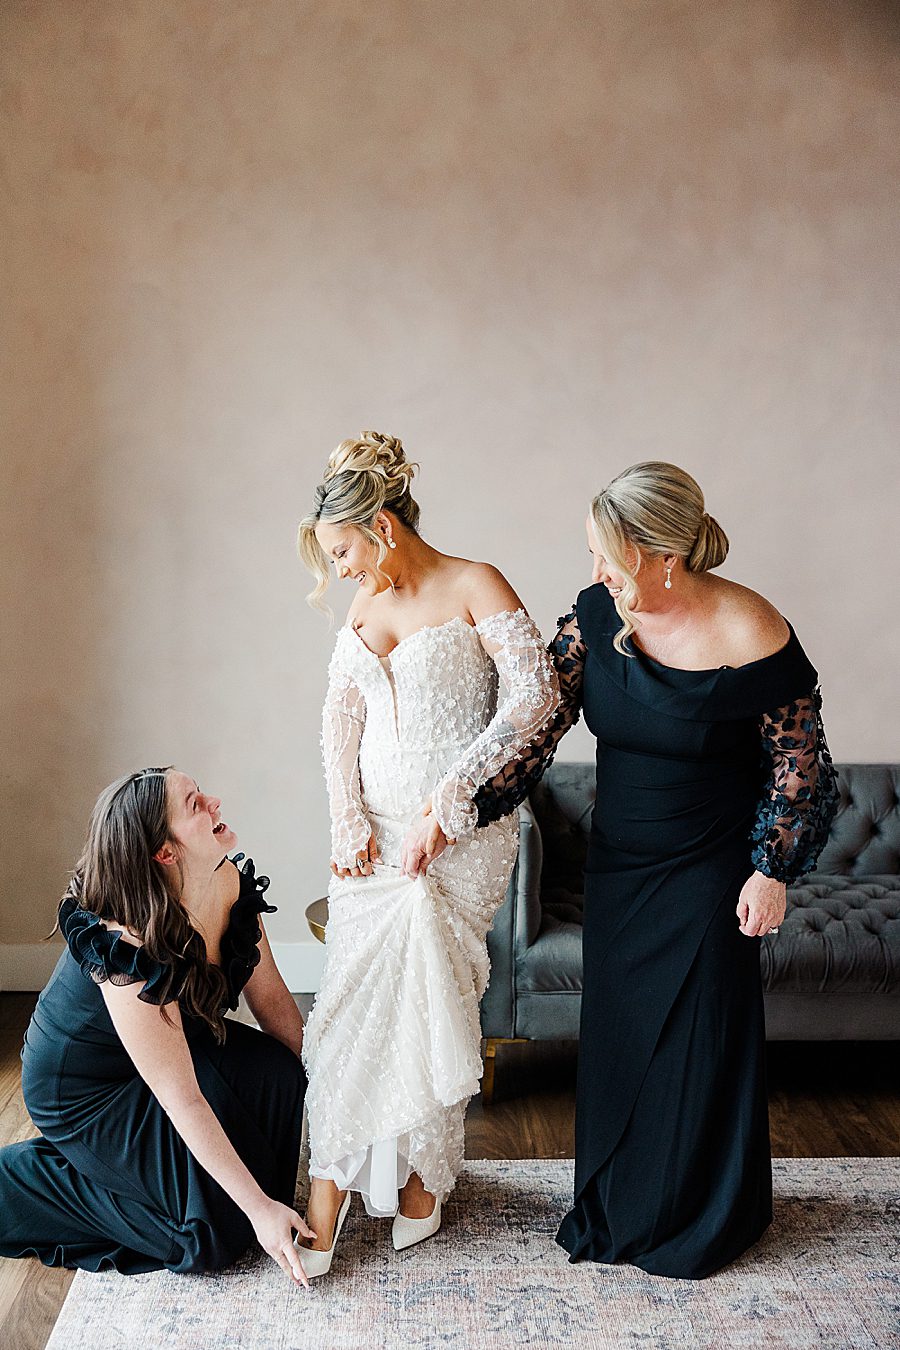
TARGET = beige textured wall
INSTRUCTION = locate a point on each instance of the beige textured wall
(536, 241)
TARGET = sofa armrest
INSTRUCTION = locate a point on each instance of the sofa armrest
(515, 925)
(528, 879)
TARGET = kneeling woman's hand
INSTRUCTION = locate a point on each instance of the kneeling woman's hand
(160, 1053)
(761, 905)
(274, 1225)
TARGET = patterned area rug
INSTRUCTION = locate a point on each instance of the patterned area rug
(826, 1274)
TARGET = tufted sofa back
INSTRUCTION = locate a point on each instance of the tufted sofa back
(864, 841)
(865, 836)
(562, 804)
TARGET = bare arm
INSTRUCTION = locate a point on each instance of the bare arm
(490, 593)
(270, 1000)
(161, 1056)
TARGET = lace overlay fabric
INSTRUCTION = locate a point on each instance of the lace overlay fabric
(512, 784)
(529, 701)
(801, 793)
(798, 801)
(392, 1046)
(343, 720)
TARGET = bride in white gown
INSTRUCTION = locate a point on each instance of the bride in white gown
(414, 721)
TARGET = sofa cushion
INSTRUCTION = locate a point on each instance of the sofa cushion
(553, 963)
(840, 934)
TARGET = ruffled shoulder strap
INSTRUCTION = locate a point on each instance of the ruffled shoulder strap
(104, 955)
(240, 942)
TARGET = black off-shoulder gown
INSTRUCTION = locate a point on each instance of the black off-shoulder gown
(673, 1169)
(110, 1182)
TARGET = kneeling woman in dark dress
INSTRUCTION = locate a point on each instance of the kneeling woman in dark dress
(714, 789)
(169, 1138)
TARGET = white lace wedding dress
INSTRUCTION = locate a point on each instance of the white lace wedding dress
(392, 1046)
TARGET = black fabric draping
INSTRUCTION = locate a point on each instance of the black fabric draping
(672, 1167)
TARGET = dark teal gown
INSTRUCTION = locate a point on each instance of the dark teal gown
(110, 1182)
(702, 778)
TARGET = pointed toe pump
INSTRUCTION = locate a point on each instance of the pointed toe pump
(317, 1263)
(407, 1232)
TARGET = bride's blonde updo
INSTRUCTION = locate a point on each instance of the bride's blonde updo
(655, 508)
(362, 477)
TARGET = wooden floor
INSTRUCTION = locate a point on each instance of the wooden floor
(826, 1100)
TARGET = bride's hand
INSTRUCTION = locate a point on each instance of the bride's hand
(425, 841)
(365, 861)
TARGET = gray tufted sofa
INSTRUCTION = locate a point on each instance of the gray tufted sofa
(831, 973)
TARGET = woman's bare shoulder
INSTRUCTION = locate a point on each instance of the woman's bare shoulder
(483, 588)
(754, 626)
(229, 875)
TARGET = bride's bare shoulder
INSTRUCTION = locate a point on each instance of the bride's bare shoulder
(754, 626)
(483, 588)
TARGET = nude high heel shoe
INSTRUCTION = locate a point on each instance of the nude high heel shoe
(407, 1232)
(317, 1263)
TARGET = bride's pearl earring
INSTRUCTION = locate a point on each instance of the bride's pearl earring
(391, 544)
(668, 578)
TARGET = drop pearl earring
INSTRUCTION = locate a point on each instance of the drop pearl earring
(668, 578)
(391, 544)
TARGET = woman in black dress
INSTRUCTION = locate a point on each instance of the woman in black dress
(714, 789)
(166, 1140)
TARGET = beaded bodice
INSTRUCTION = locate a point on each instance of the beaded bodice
(429, 722)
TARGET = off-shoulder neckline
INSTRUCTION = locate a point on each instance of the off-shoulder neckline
(714, 670)
(102, 953)
(691, 670)
(247, 873)
(430, 628)
(133, 940)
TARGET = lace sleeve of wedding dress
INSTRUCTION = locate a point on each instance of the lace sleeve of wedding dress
(509, 788)
(528, 699)
(343, 719)
(800, 798)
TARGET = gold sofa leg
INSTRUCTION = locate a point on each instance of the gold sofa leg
(490, 1059)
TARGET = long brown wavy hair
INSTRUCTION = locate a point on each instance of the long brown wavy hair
(118, 878)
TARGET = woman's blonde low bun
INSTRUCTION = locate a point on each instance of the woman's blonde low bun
(710, 548)
(658, 509)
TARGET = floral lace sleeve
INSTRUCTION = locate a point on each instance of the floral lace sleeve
(800, 797)
(512, 784)
(530, 699)
(343, 719)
